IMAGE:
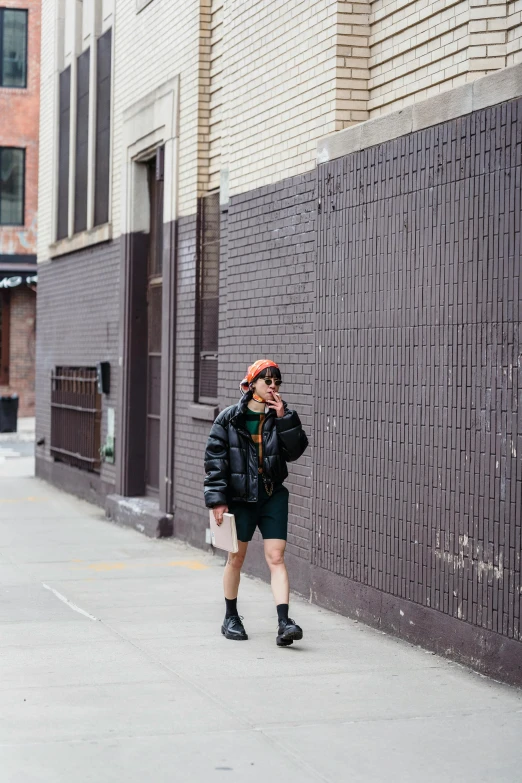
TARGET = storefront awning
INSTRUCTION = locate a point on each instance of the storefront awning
(17, 270)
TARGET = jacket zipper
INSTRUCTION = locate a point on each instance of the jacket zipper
(246, 433)
(263, 440)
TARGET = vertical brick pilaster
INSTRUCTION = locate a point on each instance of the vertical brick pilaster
(487, 48)
(217, 88)
(514, 32)
(352, 54)
(204, 52)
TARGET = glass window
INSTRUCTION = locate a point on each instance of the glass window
(12, 165)
(103, 129)
(82, 142)
(13, 48)
(208, 297)
(64, 135)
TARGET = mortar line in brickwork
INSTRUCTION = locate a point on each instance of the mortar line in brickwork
(416, 326)
(324, 213)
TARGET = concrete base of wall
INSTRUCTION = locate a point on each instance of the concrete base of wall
(142, 514)
(85, 485)
(484, 651)
(187, 530)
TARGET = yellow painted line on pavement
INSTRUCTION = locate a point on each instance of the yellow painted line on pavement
(23, 500)
(107, 566)
(192, 565)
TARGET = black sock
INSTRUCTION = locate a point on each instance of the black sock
(231, 607)
(282, 611)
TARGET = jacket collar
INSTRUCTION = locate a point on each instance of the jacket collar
(238, 417)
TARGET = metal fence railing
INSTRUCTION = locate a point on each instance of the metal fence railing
(76, 417)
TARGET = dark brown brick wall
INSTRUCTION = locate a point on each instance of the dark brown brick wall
(190, 435)
(387, 285)
(78, 325)
(266, 309)
(267, 285)
(22, 347)
(418, 436)
(395, 314)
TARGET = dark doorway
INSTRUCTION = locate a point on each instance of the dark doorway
(138, 469)
(154, 321)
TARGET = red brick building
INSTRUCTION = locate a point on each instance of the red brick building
(19, 128)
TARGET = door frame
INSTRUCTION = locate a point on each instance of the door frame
(148, 124)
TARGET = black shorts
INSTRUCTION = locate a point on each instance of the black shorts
(269, 514)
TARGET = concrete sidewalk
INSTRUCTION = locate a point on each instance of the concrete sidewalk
(17, 450)
(112, 669)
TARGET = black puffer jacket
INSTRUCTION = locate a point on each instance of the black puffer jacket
(231, 460)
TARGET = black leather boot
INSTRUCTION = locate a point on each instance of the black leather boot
(233, 628)
(287, 632)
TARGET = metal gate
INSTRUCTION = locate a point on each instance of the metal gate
(76, 417)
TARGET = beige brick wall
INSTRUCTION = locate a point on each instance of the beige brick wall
(352, 68)
(280, 90)
(257, 87)
(422, 48)
(261, 82)
(151, 47)
(215, 97)
(293, 70)
(416, 50)
(514, 32)
(487, 37)
(47, 122)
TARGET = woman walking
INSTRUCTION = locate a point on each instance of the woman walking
(245, 463)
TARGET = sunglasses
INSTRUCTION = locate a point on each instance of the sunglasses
(270, 381)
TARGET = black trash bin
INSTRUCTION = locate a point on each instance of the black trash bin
(9, 413)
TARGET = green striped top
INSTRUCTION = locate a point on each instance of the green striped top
(254, 424)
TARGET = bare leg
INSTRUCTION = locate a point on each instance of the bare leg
(275, 557)
(232, 573)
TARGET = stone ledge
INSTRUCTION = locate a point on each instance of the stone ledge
(142, 514)
(498, 87)
(441, 108)
(81, 241)
(203, 412)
